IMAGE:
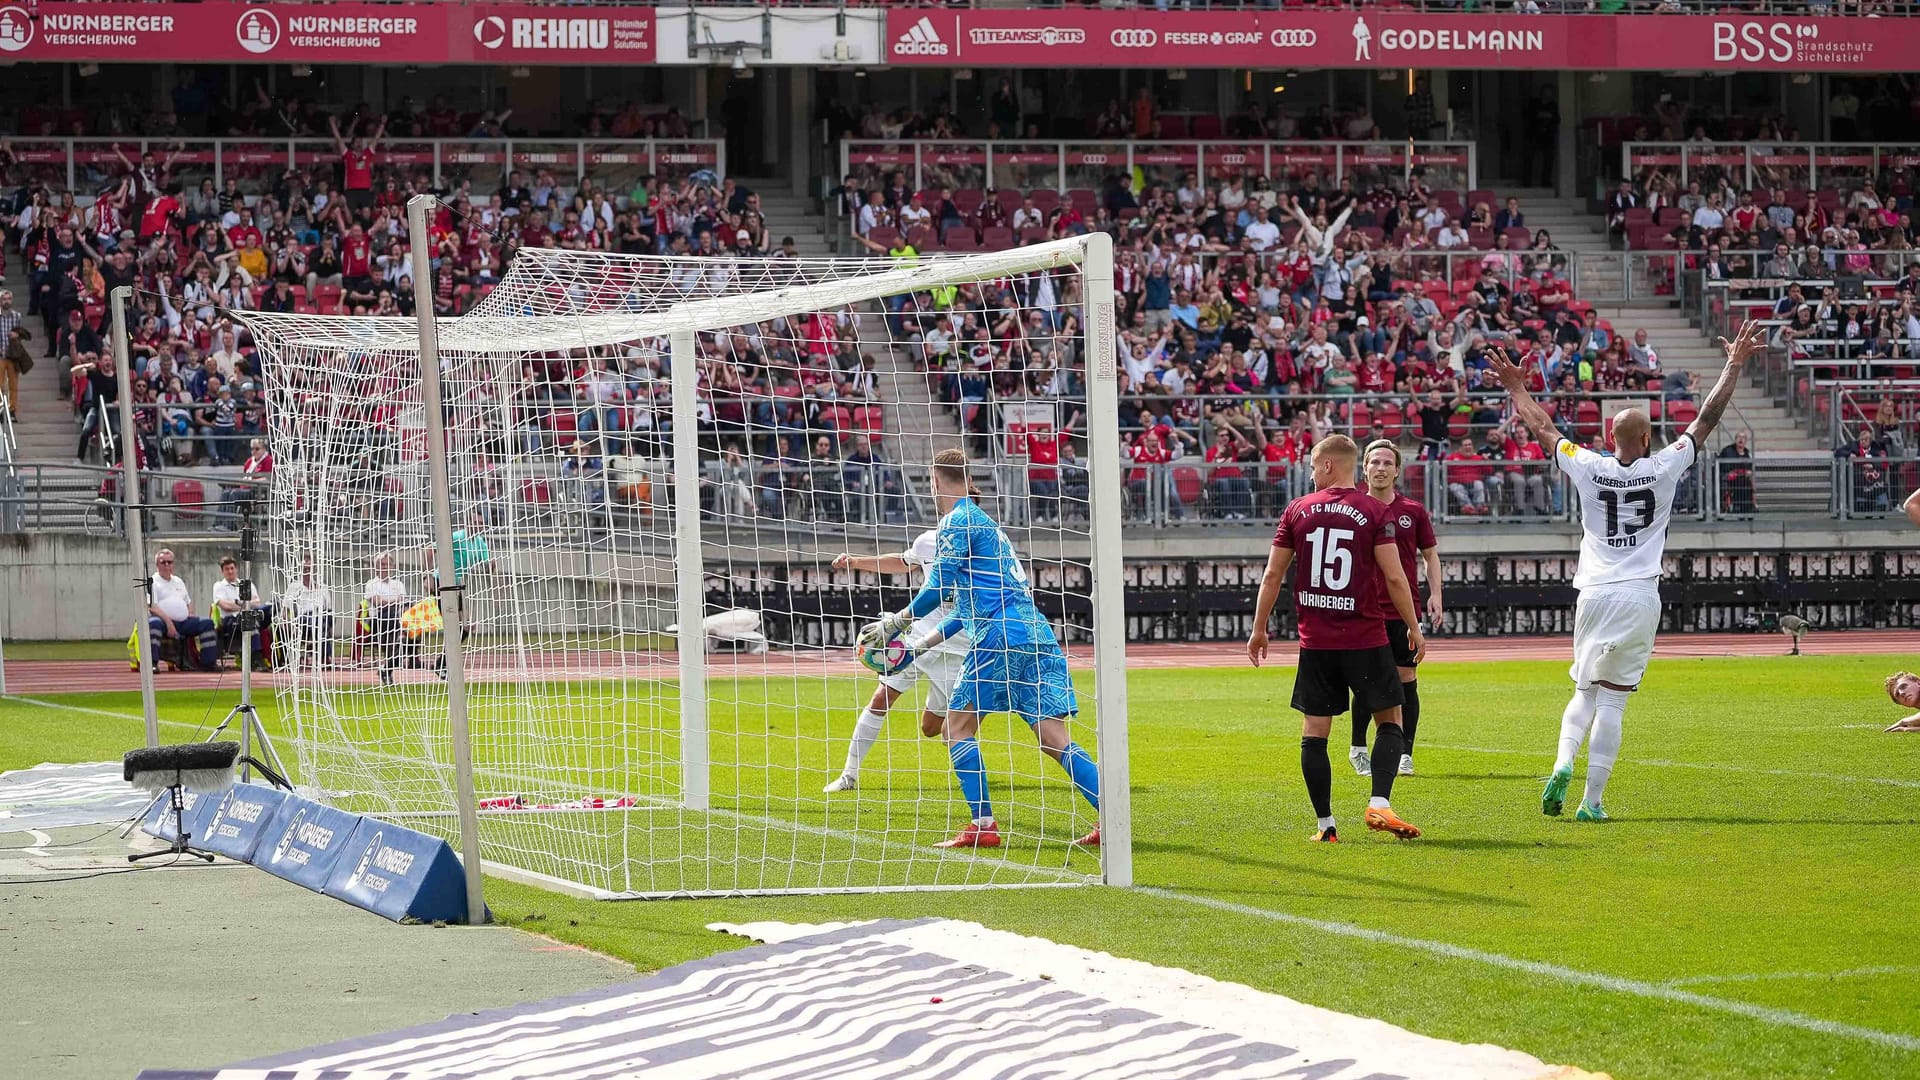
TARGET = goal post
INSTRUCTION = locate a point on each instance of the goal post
(651, 465)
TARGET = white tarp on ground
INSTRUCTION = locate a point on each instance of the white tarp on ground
(55, 796)
(926, 999)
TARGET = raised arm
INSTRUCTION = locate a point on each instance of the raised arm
(1738, 351)
(1530, 412)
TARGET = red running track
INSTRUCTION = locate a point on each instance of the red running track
(90, 676)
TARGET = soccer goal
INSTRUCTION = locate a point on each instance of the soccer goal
(653, 464)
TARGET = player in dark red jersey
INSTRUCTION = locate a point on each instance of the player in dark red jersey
(1349, 550)
(1413, 535)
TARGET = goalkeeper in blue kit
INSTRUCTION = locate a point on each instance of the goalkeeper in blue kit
(1015, 665)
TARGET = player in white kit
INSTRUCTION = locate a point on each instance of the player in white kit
(939, 665)
(1625, 503)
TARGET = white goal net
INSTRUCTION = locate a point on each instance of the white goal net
(653, 464)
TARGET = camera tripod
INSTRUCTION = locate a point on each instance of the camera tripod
(247, 624)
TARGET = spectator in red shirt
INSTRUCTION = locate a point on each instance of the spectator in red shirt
(1527, 471)
(1232, 492)
(356, 266)
(1043, 472)
(356, 162)
(1376, 375)
(1152, 448)
(1467, 478)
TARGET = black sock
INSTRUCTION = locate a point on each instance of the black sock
(1318, 774)
(1360, 718)
(1409, 712)
(1387, 742)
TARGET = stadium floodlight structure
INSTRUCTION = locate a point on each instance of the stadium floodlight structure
(634, 445)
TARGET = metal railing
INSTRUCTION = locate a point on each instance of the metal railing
(87, 166)
(1067, 165)
(1720, 306)
(1808, 166)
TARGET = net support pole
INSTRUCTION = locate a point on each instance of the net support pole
(452, 599)
(688, 562)
(131, 510)
(1109, 590)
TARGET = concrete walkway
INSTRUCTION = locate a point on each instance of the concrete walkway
(198, 966)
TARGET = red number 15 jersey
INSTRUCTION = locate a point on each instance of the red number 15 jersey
(1332, 534)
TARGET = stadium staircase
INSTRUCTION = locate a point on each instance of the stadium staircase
(57, 499)
(1796, 466)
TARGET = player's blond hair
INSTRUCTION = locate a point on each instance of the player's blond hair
(1896, 677)
(1336, 446)
(950, 467)
(1388, 445)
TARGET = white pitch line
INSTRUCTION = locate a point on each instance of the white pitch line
(1890, 781)
(1572, 976)
(1769, 976)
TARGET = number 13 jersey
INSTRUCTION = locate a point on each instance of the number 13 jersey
(1624, 510)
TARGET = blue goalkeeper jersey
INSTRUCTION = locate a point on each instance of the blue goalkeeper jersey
(977, 570)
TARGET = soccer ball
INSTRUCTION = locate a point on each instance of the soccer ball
(885, 659)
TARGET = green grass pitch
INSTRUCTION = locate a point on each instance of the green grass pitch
(1745, 915)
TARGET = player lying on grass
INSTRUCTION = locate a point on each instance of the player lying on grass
(1413, 535)
(1014, 664)
(1625, 503)
(938, 663)
(1904, 688)
(1348, 539)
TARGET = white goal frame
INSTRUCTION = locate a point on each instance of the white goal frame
(490, 331)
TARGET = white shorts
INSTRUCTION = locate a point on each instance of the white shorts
(1613, 633)
(940, 668)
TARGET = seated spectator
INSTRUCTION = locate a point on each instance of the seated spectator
(1866, 471)
(226, 598)
(184, 638)
(1736, 475)
(1467, 478)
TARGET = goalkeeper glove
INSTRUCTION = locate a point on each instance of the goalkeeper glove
(881, 631)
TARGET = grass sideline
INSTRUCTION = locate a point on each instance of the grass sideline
(1759, 845)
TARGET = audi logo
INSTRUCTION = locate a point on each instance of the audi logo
(1134, 39)
(1286, 38)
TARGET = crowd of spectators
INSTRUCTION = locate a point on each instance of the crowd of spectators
(1253, 320)
(326, 240)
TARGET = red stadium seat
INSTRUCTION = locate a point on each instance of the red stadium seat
(996, 238)
(1033, 234)
(884, 235)
(1519, 237)
(1206, 126)
(1457, 425)
(1362, 418)
(968, 200)
(1044, 199)
(1187, 482)
(1681, 414)
(1586, 420)
(963, 240)
(1482, 195)
(922, 238)
(1389, 423)
(189, 500)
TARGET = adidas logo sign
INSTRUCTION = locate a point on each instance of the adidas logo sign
(920, 40)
